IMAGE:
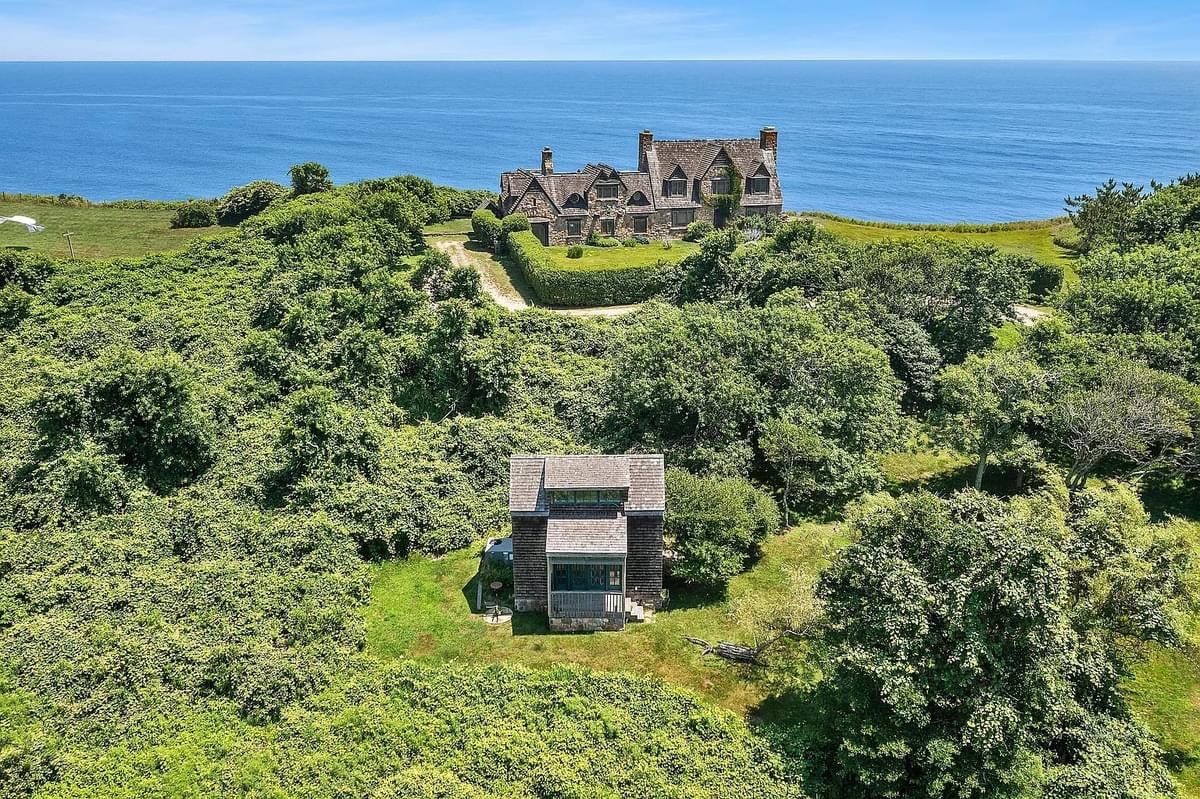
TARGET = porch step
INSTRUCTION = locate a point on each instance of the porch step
(635, 611)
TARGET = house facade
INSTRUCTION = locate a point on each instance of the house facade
(673, 186)
(587, 537)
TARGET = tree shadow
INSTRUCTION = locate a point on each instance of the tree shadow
(682, 596)
(16, 247)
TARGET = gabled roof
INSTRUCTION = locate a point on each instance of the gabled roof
(695, 157)
(530, 476)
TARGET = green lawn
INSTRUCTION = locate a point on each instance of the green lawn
(1034, 241)
(99, 232)
(622, 257)
(419, 609)
(454, 226)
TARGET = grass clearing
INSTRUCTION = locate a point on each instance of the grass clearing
(100, 232)
(421, 608)
(597, 258)
(1032, 240)
(453, 227)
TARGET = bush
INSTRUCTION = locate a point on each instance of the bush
(513, 223)
(603, 241)
(486, 228)
(310, 178)
(195, 213)
(243, 202)
(715, 525)
(698, 230)
(575, 251)
(583, 285)
(630, 241)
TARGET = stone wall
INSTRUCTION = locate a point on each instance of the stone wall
(584, 625)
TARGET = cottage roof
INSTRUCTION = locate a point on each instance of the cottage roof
(695, 158)
(599, 532)
(586, 471)
(531, 475)
(559, 186)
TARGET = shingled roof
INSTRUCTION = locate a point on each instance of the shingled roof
(599, 532)
(531, 475)
(559, 186)
(695, 156)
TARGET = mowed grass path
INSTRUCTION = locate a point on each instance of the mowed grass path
(99, 232)
(1034, 241)
(622, 257)
(420, 609)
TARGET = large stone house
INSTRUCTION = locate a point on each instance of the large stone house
(587, 537)
(671, 187)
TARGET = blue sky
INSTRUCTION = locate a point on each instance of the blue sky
(597, 29)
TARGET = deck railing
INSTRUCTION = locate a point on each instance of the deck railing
(587, 605)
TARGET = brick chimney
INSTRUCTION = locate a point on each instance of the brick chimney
(645, 139)
(547, 161)
(768, 139)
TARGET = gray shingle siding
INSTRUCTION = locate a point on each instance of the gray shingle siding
(529, 563)
(644, 565)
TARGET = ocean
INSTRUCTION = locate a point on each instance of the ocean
(905, 141)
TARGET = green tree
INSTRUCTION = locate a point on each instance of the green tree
(1127, 414)
(194, 214)
(958, 662)
(715, 525)
(309, 178)
(1106, 217)
(987, 402)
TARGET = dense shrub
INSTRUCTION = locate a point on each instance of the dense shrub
(581, 286)
(715, 525)
(195, 213)
(631, 241)
(243, 202)
(596, 240)
(575, 251)
(462, 203)
(698, 230)
(486, 228)
(309, 178)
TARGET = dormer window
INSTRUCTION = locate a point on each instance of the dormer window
(676, 184)
(758, 185)
(608, 191)
(587, 497)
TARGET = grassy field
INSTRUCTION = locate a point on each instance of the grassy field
(622, 257)
(99, 232)
(1034, 241)
(421, 608)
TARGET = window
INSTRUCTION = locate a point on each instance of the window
(758, 185)
(720, 185)
(608, 496)
(677, 187)
(585, 577)
(682, 217)
(574, 227)
(607, 191)
(641, 224)
(608, 227)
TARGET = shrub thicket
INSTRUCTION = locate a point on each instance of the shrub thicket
(243, 202)
(194, 214)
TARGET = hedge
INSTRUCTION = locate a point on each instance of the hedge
(486, 228)
(580, 285)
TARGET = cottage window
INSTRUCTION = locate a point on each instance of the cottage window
(607, 191)
(758, 185)
(720, 185)
(641, 224)
(574, 227)
(608, 227)
(585, 577)
(682, 217)
(608, 496)
(677, 187)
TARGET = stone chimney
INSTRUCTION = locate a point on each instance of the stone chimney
(768, 139)
(547, 161)
(645, 139)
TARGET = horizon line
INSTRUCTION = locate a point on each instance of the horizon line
(802, 59)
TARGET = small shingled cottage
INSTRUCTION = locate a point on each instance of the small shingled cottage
(672, 187)
(587, 537)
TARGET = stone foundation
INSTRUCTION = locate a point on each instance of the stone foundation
(584, 625)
